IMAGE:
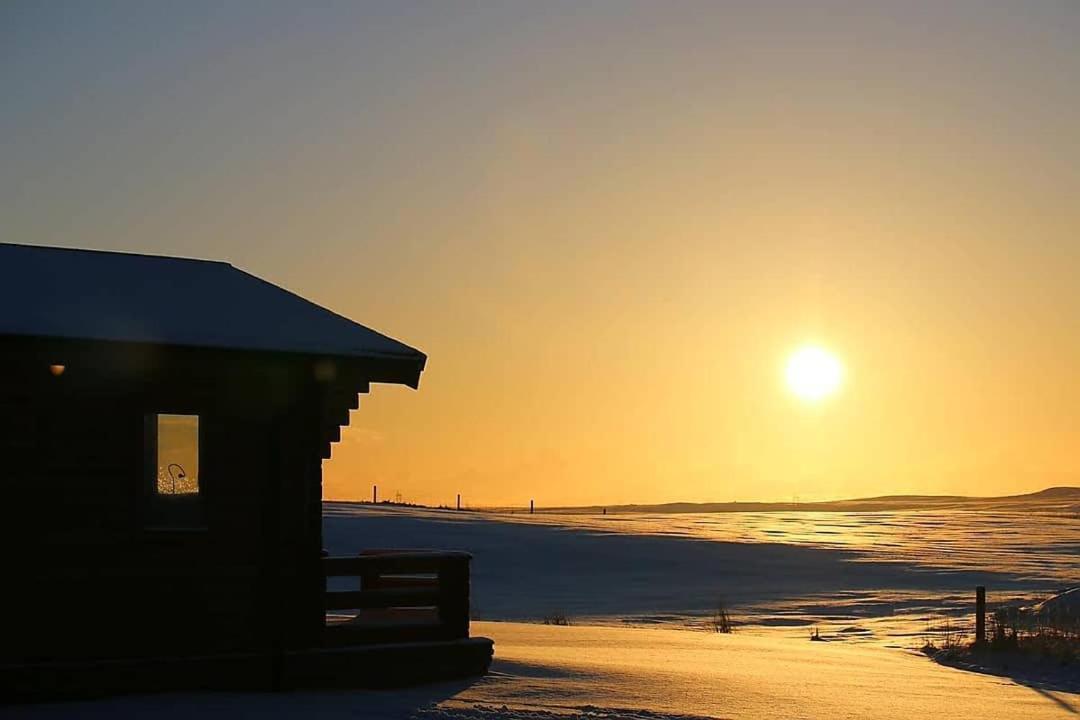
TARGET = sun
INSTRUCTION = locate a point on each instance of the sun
(814, 373)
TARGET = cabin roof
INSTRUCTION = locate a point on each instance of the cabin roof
(95, 295)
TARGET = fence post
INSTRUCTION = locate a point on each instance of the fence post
(980, 615)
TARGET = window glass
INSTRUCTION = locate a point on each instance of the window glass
(177, 455)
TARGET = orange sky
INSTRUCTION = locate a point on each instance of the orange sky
(608, 226)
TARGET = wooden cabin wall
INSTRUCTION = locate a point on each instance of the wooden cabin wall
(85, 577)
(295, 585)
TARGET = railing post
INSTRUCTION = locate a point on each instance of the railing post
(454, 596)
(369, 578)
(980, 615)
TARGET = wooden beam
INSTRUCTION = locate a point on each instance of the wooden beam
(395, 563)
(383, 598)
(337, 416)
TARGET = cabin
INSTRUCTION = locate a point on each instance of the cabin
(163, 423)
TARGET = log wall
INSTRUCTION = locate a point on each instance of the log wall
(88, 575)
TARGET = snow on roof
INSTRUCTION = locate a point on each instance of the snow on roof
(95, 295)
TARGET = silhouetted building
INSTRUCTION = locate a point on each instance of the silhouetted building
(163, 423)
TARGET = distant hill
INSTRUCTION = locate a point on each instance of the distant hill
(1065, 491)
(1065, 499)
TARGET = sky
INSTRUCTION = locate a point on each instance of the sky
(608, 224)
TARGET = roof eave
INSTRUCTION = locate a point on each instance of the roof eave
(397, 369)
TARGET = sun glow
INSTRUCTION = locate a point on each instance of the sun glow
(813, 373)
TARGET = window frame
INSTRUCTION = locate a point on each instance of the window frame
(182, 513)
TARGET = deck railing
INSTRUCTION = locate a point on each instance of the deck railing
(401, 595)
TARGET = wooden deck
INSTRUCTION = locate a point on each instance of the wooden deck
(391, 595)
(370, 666)
(393, 618)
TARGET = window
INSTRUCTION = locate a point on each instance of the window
(172, 472)
(177, 455)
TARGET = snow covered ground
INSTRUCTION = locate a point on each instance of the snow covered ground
(859, 576)
(637, 587)
(607, 673)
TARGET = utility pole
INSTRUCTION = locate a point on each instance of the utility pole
(531, 507)
(374, 494)
(459, 501)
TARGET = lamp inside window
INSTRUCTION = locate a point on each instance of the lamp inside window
(177, 450)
